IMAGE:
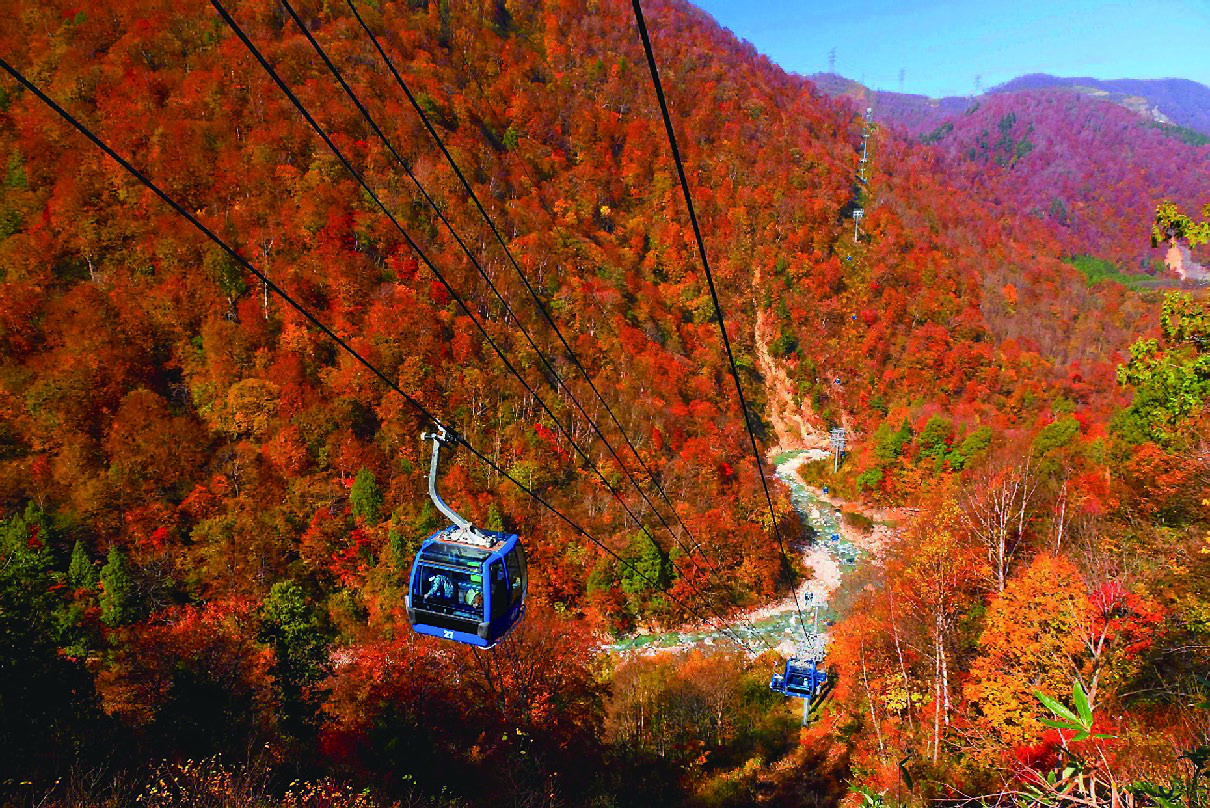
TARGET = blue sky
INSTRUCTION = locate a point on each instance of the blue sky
(942, 45)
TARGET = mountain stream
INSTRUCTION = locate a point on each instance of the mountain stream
(822, 546)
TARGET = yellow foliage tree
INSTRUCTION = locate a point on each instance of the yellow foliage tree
(1031, 642)
(252, 404)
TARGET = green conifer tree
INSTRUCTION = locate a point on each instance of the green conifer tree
(494, 520)
(117, 590)
(291, 626)
(649, 568)
(366, 497)
(81, 573)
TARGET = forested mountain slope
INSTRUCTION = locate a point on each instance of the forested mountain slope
(211, 508)
(1093, 170)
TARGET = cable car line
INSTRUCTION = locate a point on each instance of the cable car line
(328, 332)
(365, 113)
(689, 550)
(718, 310)
(458, 298)
(529, 287)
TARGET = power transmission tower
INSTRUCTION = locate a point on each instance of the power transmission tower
(832, 60)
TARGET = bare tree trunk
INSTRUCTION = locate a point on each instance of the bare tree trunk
(1028, 484)
(865, 680)
(990, 508)
(941, 700)
(902, 665)
(945, 681)
(1094, 642)
(1062, 518)
(936, 708)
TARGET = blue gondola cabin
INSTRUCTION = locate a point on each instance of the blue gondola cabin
(468, 585)
(803, 678)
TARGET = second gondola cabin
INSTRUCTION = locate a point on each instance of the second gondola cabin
(802, 678)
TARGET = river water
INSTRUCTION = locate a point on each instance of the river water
(822, 547)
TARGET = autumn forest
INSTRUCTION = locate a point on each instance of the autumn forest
(331, 225)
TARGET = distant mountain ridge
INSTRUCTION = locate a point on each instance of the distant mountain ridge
(915, 113)
(1179, 101)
